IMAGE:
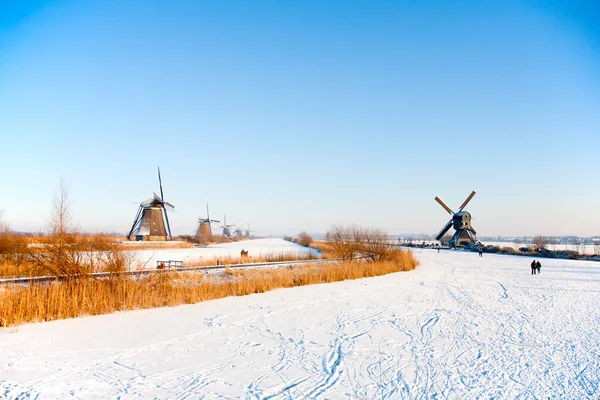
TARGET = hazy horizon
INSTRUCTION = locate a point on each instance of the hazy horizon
(296, 116)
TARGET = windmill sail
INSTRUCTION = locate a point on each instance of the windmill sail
(461, 221)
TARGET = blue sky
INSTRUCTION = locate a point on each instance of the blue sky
(293, 116)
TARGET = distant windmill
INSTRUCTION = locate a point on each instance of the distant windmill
(238, 230)
(461, 220)
(205, 225)
(226, 230)
(151, 221)
(248, 231)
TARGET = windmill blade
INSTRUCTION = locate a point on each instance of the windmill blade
(135, 222)
(464, 204)
(439, 200)
(146, 202)
(444, 230)
(170, 206)
(168, 225)
(160, 183)
(156, 197)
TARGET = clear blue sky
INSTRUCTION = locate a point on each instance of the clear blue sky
(296, 115)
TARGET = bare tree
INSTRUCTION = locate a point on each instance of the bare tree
(540, 241)
(375, 245)
(340, 242)
(61, 213)
(349, 242)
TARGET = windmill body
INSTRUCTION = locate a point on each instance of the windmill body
(461, 222)
(205, 225)
(151, 221)
(238, 230)
(226, 228)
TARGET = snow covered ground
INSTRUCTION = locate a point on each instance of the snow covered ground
(255, 247)
(458, 327)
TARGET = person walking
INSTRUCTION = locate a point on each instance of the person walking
(533, 267)
(538, 266)
(481, 252)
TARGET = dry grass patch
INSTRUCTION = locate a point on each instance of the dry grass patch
(324, 248)
(72, 298)
(147, 245)
(276, 256)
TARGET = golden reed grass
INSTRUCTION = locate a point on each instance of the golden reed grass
(274, 256)
(141, 245)
(68, 299)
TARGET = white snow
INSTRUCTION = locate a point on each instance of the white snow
(458, 327)
(256, 247)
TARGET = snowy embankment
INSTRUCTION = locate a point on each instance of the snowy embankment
(457, 327)
(255, 247)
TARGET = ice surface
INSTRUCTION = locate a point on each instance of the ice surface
(255, 247)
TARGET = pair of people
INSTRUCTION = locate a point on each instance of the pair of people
(535, 266)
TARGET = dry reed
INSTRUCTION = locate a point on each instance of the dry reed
(275, 256)
(72, 298)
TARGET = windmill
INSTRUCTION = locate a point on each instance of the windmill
(461, 220)
(248, 231)
(151, 221)
(205, 225)
(238, 230)
(226, 230)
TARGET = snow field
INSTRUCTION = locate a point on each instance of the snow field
(459, 326)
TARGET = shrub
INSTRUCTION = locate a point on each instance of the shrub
(509, 250)
(492, 249)
(187, 238)
(304, 239)
(349, 242)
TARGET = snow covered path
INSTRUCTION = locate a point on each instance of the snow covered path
(458, 327)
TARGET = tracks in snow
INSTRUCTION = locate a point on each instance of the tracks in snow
(466, 331)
